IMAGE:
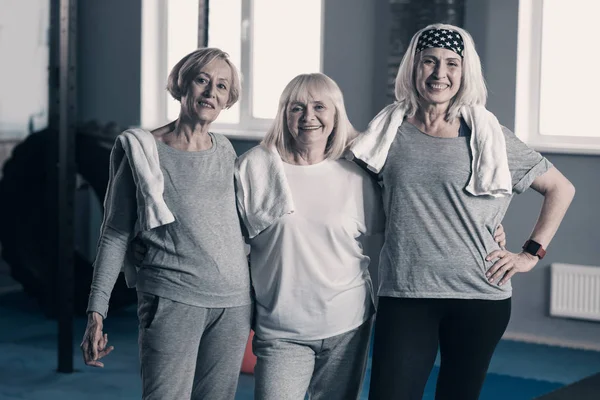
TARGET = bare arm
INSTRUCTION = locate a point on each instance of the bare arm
(558, 193)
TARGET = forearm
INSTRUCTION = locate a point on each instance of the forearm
(558, 193)
(556, 202)
(112, 249)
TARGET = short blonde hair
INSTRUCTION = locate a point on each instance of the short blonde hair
(472, 90)
(301, 89)
(188, 68)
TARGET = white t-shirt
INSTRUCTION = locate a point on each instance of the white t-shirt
(310, 269)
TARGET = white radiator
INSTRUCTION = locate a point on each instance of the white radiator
(575, 291)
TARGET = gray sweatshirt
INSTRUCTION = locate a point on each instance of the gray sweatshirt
(199, 259)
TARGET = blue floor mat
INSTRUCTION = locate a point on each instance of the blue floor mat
(496, 387)
(502, 387)
(28, 361)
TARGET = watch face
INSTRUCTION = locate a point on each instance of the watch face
(533, 247)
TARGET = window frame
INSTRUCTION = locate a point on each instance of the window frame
(154, 71)
(528, 87)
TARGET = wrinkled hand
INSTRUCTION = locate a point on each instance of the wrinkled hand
(500, 237)
(508, 264)
(138, 251)
(94, 343)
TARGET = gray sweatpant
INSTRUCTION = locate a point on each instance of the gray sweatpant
(331, 368)
(189, 352)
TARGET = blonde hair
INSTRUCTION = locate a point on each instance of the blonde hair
(188, 68)
(302, 88)
(472, 90)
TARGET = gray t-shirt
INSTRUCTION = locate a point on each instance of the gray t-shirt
(437, 234)
(199, 259)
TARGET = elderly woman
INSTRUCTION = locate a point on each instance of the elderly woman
(314, 223)
(448, 172)
(173, 189)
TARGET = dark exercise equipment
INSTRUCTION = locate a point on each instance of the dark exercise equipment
(29, 220)
(585, 389)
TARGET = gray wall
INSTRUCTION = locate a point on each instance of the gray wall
(348, 54)
(108, 61)
(493, 25)
(108, 85)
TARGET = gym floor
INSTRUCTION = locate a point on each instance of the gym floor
(28, 360)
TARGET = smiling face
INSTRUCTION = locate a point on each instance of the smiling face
(208, 93)
(311, 122)
(438, 74)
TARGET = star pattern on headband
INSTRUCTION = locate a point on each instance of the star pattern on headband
(442, 38)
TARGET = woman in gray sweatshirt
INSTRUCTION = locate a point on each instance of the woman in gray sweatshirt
(173, 189)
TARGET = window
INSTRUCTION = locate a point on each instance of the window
(24, 81)
(557, 92)
(269, 41)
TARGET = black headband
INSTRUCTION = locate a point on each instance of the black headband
(442, 38)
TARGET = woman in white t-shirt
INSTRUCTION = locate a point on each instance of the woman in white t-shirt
(315, 224)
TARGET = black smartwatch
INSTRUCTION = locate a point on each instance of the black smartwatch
(534, 248)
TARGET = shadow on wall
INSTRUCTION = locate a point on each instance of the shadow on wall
(242, 146)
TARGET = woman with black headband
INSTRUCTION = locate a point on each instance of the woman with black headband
(448, 170)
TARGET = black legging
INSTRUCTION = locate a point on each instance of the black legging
(407, 334)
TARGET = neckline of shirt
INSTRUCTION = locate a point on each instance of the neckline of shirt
(413, 126)
(199, 153)
(306, 167)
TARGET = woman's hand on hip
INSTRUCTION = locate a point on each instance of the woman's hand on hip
(508, 264)
(94, 343)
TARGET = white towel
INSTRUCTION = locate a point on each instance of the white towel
(490, 174)
(139, 147)
(262, 191)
